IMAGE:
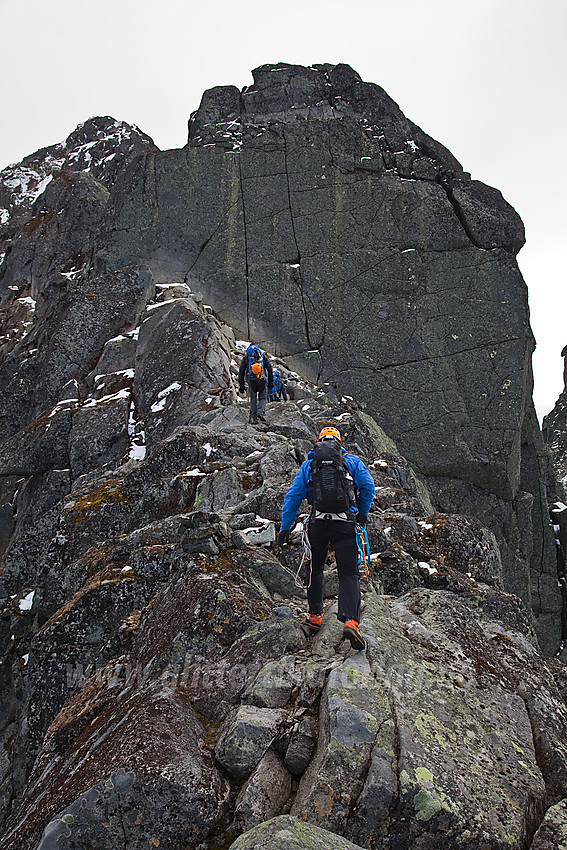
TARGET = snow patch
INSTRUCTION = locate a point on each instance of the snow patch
(65, 404)
(129, 335)
(28, 302)
(137, 452)
(162, 397)
(128, 373)
(151, 307)
(25, 604)
(423, 565)
(73, 273)
(96, 402)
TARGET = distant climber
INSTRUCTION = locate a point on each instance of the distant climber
(279, 392)
(256, 368)
(340, 489)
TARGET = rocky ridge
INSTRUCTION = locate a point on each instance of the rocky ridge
(157, 686)
(319, 221)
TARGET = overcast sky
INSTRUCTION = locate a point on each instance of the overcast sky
(487, 79)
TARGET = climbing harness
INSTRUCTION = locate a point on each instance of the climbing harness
(363, 547)
(306, 555)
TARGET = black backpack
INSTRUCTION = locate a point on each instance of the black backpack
(333, 488)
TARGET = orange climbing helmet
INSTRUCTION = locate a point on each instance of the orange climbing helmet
(328, 431)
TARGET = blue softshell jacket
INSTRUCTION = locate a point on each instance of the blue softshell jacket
(363, 481)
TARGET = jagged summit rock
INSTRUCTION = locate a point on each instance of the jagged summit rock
(288, 93)
(156, 685)
(316, 219)
(97, 146)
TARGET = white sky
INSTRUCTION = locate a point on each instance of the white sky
(486, 79)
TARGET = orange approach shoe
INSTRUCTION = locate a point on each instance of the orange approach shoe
(351, 632)
(314, 621)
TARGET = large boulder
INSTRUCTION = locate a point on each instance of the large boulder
(553, 831)
(319, 221)
(289, 833)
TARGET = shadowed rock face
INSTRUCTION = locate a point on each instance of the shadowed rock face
(156, 685)
(554, 428)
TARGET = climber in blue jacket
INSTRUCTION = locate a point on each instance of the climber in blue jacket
(336, 529)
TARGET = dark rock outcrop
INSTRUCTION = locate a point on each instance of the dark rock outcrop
(156, 685)
(554, 428)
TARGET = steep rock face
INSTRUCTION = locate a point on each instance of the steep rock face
(554, 428)
(317, 219)
(53, 204)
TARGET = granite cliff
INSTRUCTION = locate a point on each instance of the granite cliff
(157, 687)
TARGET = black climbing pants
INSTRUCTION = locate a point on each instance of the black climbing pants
(341, 536)
(258, 397)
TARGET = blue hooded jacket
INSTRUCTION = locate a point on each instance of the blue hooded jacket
(298, 491)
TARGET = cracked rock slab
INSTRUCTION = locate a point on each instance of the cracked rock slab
(264, 795)
(245, 737)
(353, 711)
(464, 748)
